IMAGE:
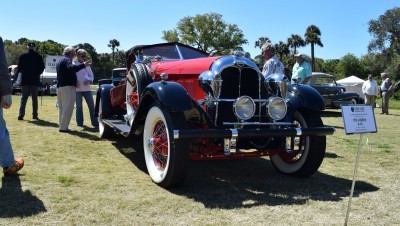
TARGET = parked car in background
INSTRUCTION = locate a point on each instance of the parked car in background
(184, 105)
(334, 95)
(16, 87)
(117, 75)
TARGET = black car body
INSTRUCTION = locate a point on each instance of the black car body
(334, 95)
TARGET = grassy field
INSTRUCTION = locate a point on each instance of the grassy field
(80, 179)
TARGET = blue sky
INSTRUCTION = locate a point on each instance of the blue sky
(343, 24)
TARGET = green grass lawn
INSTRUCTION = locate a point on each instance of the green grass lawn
(80, 179)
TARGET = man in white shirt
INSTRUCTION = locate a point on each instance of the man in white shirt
(272, 64)
(370, 89)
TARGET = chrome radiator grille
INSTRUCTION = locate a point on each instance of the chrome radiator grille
(237, 81)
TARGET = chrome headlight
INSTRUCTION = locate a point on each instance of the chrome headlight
(277, 84)
(244, 107)
(210, 83)
(277, 108)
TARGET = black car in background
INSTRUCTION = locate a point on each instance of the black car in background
(117, 75)
(334, 95)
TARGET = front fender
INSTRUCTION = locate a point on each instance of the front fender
(103, 95)
(304, 96)
(170, 95)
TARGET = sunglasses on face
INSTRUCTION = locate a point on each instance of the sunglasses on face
(83, 56)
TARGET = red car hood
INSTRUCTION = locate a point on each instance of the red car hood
(184, 67)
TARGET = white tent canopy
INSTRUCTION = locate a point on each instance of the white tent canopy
(351, 81)
(352, 84)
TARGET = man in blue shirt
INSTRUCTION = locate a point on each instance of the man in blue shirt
(301, 69)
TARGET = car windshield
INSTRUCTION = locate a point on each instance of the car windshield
(171, 52)
(325, 81)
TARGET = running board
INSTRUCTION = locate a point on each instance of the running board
(119, 126)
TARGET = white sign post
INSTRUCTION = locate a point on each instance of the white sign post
(358, 119)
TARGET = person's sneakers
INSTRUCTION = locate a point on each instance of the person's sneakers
(35, 117)
(20, 118)
(65, 130)
(19, 163)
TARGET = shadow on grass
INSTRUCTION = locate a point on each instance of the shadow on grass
(132, 149)
(17, 203)
(332, 155)
(333, 114)
(41, 122)
(245, 183)
(82, 133)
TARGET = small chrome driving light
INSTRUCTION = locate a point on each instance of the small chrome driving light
(277, 108)
(244, 107)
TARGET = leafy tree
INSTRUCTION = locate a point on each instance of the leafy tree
(13, 51)
(207, 32)
(349, 65)
(282, 49)
(329, 66)
(114, 43)
(384, 48)
(105, 66)
(171, 35)
(313, 38)
(386, 32)
(22, 41)
(50, 47)
(372, 64)
(295, 41)
(120, 59)
(319, 62)
(393, 68)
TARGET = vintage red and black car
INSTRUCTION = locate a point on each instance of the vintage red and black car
(186, 105)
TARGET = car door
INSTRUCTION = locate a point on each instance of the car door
(327, 87)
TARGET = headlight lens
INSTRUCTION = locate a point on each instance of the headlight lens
(277, 108)
(244, 107)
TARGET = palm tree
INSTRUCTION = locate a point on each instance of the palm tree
(114, 43)
(259, 43)
(295, 41)
(282, 49)
(313, 37)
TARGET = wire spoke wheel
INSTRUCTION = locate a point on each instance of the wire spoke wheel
(166, 158)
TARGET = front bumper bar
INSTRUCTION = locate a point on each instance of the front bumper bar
(252, 133)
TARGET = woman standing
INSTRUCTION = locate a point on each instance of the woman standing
(83, 89)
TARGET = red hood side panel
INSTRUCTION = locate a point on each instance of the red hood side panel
(184, 67)
(185, 72)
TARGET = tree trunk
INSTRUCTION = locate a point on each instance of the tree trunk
(312, 57)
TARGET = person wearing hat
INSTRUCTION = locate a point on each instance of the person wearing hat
(272, 64)
(370, 89)
(301, 69)
(31, 66)
(7, 161)
(66, 87)
(386, 83)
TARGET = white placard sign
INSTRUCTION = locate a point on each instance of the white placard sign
(51, 62)
(358, 118)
